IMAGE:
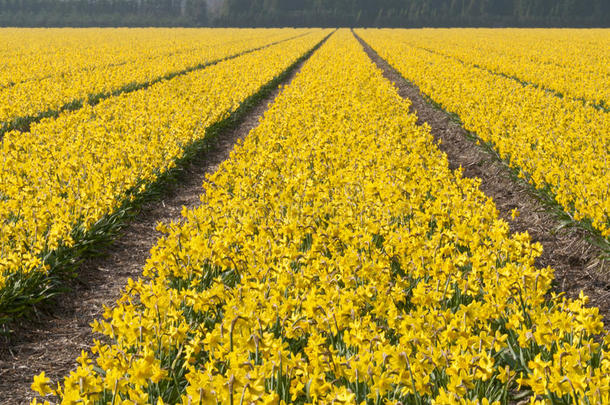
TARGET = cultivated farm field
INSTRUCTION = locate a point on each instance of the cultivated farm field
(337, 255)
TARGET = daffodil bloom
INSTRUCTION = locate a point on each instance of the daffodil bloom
(42, 384)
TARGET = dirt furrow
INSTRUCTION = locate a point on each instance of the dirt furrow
(55, 340)
(577, 262)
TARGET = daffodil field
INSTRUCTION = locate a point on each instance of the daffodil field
(573, 63)
(63, 179)
(544, 111)
(50, 71)
(335, 257)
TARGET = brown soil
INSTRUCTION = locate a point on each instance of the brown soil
(575, 260)
(56, 339)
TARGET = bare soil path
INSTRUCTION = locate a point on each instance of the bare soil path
(55, 341)
(575, 260)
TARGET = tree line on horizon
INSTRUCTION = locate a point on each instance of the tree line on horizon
(307, 13)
